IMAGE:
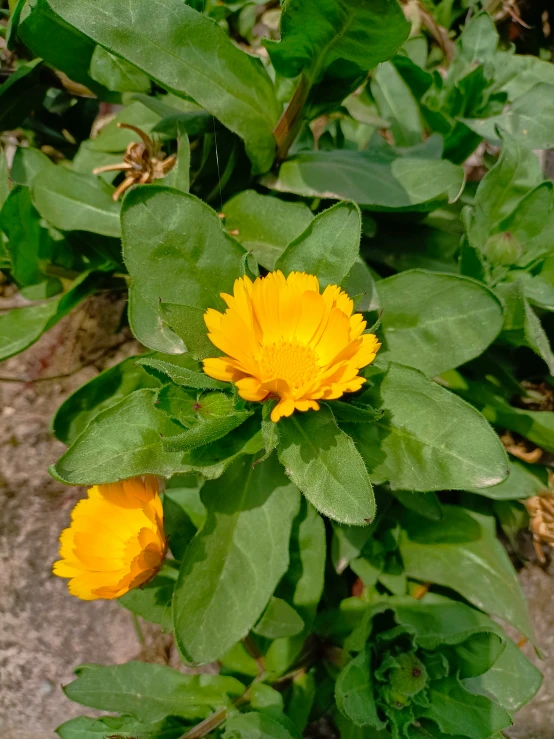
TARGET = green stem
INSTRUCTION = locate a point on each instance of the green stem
(290, 122)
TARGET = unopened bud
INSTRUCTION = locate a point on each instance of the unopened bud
(503, 248)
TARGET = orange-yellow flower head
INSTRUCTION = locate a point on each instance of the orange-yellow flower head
(115, 541)
(284, 339)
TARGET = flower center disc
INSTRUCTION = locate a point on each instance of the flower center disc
(290, 361)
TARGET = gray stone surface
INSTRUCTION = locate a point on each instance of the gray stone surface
(44, 632)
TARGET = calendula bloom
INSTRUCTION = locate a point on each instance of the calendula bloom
(115, 541)
(284, 339)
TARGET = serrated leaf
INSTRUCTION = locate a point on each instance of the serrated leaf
(328, 247)
(354, 692)
(242, 548)
(183, 371)
(323, 462)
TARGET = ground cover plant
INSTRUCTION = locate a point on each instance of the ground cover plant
(337, 240)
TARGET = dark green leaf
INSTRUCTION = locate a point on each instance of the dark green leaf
(266, 224)
(426, 504)
(124, 727)
(397, 105)
(315, 34)
(151, 692)
(4, 178)
(233, 565)
(153, 600)
(158, 39)
(183, 371)
(27, 162)
(523, 481)
(20, 94)
(464, 554)
(100, 393)
(328, 247)
(376, 179)
(187, 326)
(434, 321)
(453, 708)
(324, 463)
(253, 725)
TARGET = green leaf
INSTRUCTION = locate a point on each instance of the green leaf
(426, 504)
(464, 554)
(113, 139)
(167, 231)
(278, 620)
(100, 393)
(529, 119)
(117, 74)
(266, 224)
(29, 245)
(205, 418)
(523, 481)
(434, 321)
(61, 46)
(183, 371)
(4, 178)
(512, 681)
(376, 179)
(75, 202)
(188, 326)
(20, 94)
(184, 513)
(233, 565)
(153, 600)
(328, 247)
(148, 324)
(120, 726)
(324, 463)
(158, 39)
(354, 692)
(21, 327)
(397, 105)
(253, 725)
(454, 709)
(315, 34)
(427, 439)
(522, 326)
(151, 692)
(360, 285)
(27, 162)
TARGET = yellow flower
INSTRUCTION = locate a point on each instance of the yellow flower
(284, 339)
(115, 541)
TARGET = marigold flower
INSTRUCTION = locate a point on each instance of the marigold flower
(115, 541)
(284, 339)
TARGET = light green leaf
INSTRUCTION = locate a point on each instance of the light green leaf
(75, 202)
(153, 600)
(188, 327)
(167, 231)
(27, 162)
(376, 179)
(120, 726)
(161, 39)
(185, 373)
(354, 692)
(325, 464)
(148, 324)
(523, 481)
(151, 692)
(397, 105)
(434, 321)
(328, 247)
(464, 554)
(278, 620)
(529, 119)
(512, 681)
(233, 565)
(266, 224)
(117, 74)
(427, 439)
(315, 33)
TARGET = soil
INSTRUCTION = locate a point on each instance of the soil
(44, 632)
